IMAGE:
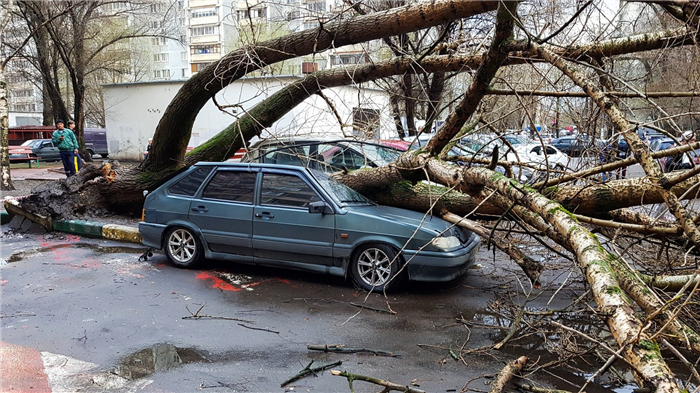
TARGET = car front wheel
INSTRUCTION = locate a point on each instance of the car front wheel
(183, 248)
(375, 267)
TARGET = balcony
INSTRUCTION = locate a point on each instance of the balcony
(205, 57)
(202, 3)
(206, 20)
(244, 5)
(205, 39)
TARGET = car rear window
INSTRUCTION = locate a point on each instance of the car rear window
(189, 184)
(231, 186)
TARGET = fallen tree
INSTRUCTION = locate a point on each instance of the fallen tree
(555, 208)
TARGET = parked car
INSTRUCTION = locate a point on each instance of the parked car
(576, 145)
(662, 144)
(298, 218)
(42, 148)
(537, 155)
(326, 155)
(96, 141)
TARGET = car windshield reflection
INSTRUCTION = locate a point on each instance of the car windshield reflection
(341, 194)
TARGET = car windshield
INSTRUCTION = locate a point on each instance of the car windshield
(32, 143)
(342, 194)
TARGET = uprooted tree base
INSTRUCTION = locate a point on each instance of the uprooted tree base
(82, 196)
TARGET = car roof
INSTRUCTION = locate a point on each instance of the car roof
(281, 143)
(256, 165)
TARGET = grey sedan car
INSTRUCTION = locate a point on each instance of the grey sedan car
(299, 218)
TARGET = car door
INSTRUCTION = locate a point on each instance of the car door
(48, 152)
(224, 211)
(284, 232)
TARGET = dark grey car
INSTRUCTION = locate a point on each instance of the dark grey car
(42, 148)
(299, 218)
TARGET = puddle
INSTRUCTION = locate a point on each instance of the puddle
(157, 358)
(22, 255)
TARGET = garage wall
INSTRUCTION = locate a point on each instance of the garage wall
(134, 110)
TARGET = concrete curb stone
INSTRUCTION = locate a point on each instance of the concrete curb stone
(23, 219)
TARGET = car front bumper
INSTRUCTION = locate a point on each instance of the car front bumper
(442, 266)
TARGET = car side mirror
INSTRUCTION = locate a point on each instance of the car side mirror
(320, 207)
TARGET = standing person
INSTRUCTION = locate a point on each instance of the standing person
(681, 161)
(67, 145)
(77, 161)
(622, 151)
(148, 148)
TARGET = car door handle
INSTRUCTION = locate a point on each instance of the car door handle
(200, 209)
(264, 215)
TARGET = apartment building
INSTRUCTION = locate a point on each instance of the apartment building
(210, 27)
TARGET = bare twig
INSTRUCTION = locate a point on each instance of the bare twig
(196, 315)
(343, 349)
(388, 385)
(308, 370)
(261, 329)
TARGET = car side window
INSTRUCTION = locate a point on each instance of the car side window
(347, 158)
(550, 150)
(189, 184)
(231, 186)
(296, 156)
(286, 190)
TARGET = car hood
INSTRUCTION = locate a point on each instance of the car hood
(402, 216)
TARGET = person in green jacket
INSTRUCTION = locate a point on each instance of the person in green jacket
(67, 145)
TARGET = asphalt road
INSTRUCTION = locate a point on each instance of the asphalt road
(87, 315)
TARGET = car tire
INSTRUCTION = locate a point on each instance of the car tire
(375, 267)
(183, 248)
(104, 155)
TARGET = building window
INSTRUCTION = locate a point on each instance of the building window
(349, 58)
(205, 30)
(183, 55)
(184, 72)
(161, 74)
(204, 13)
(316, 7)
(21, 93)
(23, 108)
(158, 8)
(161, 57)
(156, 24)
(204, 49)
(156, 41)
(259, 13)
(196, 67)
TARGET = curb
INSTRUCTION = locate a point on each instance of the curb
(121, 233)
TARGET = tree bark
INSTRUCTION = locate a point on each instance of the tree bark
(5, 178)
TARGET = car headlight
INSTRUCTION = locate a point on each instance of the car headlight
(446, 242)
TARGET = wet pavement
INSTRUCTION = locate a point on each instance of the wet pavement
(103, 320)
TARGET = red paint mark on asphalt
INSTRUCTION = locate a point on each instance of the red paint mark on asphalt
(3, 282)
(22, 369)
(283, 280)
(217, 282)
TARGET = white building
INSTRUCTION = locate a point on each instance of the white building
(135, 109)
